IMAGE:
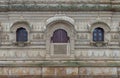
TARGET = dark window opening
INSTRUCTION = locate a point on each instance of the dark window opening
(21, 35)
(60, 36)
(98, 34)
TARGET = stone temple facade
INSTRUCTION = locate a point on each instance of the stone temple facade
(59, 38)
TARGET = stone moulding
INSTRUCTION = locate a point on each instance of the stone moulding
(99, 44)
(65, 64)
(22, 44)
(56, 1)
(60, 17)
(59, 7)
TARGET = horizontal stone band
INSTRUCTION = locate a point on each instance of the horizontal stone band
(59, 7)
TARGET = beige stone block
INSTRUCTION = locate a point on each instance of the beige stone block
(119, 70)
(1, 71)
(72, 71)
(35, 71)
(61, 71)
(47, 71)
(82, 71)
(19, 71)
(22, 71)
(5, 71)
(98, 71)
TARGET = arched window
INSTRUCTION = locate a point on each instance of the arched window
(60, 36)
(98, 34)
(21, 35)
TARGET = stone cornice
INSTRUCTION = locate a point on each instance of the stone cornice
(65, 64)
(55, 1)
(59, 1)
(57, 7)
(79, 5)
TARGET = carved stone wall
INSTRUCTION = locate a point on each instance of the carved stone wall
(81, 56)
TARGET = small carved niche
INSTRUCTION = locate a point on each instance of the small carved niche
(82, 36)
(37, 36)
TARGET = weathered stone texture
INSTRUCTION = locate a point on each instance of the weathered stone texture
(98, 71)
(66, 72)
(40, 57)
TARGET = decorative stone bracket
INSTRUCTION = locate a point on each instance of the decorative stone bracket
(99, 43)
(21, 44)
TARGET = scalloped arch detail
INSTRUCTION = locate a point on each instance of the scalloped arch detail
(101, 24)
(19, 24)
(55, 19)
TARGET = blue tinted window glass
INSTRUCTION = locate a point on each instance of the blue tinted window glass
(98, 34)
(22, 35)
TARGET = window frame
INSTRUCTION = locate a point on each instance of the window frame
(19, 33)
(98, 31)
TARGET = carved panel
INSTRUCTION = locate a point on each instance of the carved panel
(37, 36)
(98, 71)
(38, 53)
(115, 37)
(82, 36)
(60, 49)
(100, 54)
